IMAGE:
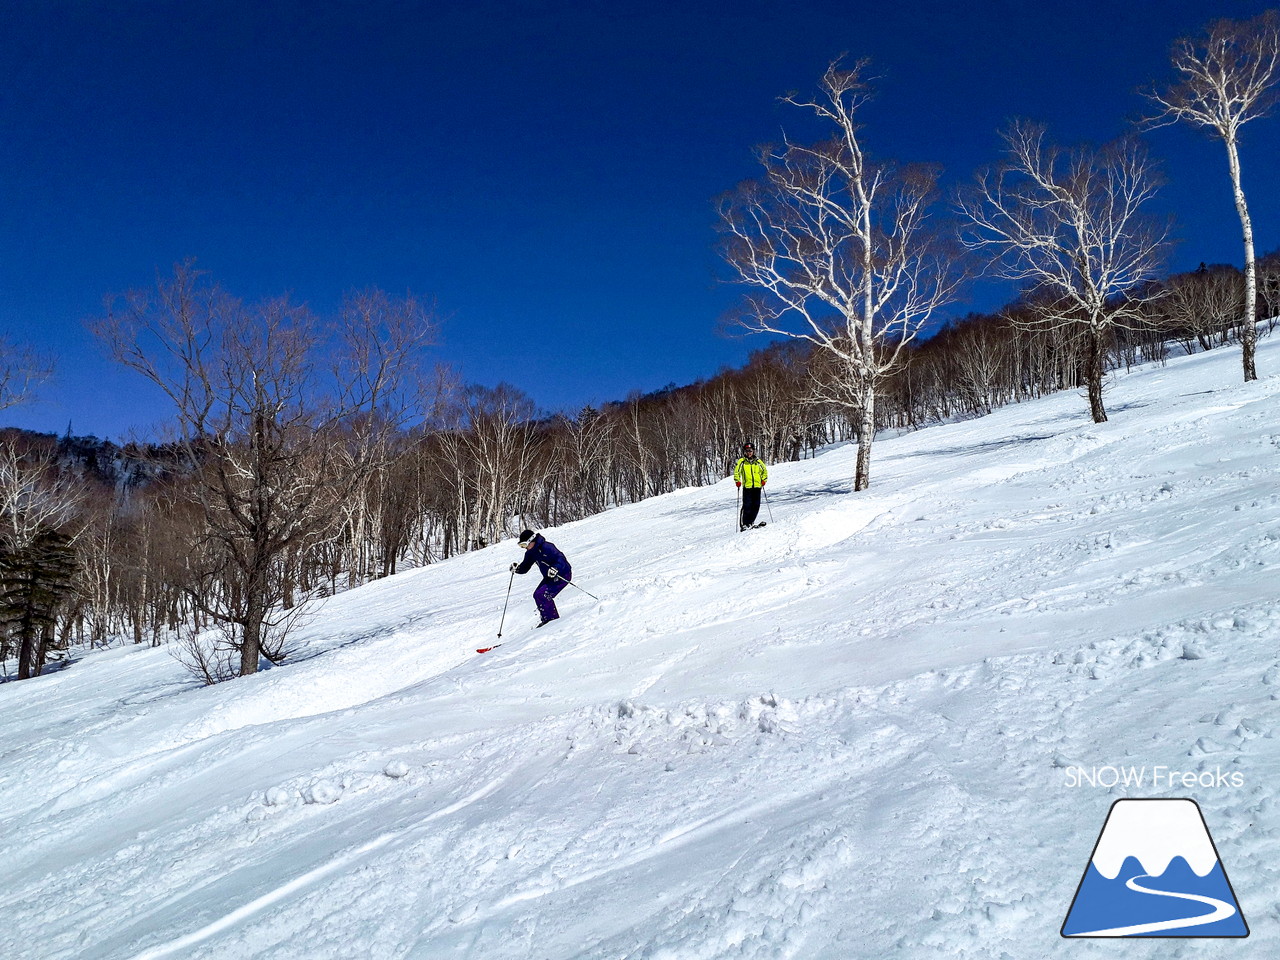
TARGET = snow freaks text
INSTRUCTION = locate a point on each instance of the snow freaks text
(1156, 777)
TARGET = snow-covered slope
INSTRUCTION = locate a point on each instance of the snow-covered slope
(853, 733)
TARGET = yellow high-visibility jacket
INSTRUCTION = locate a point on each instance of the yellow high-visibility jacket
(751, 473)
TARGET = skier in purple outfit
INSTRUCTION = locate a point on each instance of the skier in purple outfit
(556, 572)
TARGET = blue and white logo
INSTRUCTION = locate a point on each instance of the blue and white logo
(1155, 873)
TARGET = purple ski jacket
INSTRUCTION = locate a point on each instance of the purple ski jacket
(546, 556)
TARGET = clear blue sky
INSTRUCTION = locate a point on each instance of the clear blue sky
(544, 171)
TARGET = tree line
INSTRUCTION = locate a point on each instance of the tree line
(195, 540)
(308, 455)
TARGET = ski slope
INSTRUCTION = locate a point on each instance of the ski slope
(849, 734)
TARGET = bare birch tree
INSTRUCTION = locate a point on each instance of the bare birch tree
(1269, 287)
(1228, 79)
(489, 447)
(979, 353)
(585, 452)
(1070, 226)
(842, 249)
(1203, 306)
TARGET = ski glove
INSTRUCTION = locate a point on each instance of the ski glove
(737, 483)
(553, 573)
(514, 564)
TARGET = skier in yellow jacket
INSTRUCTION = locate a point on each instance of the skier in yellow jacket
(750, 474)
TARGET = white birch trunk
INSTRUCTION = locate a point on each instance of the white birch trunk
(1248, 328)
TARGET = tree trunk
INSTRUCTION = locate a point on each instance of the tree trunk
(1097, 352)
(866, 433)
(1248, 329)
(27, 646)
(289, 577)
(251, 642)
(42, 645)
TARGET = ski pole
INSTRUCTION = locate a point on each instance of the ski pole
(766, 503)
(737, 509)
(587, 592)
(505, 602)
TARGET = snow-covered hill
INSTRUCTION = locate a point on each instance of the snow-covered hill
(855, 733)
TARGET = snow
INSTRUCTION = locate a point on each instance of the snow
(881, 725)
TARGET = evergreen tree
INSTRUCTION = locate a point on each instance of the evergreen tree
(35, 579)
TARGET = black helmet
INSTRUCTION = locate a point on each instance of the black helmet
(526, 536)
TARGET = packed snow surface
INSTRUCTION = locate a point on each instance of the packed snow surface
(887, 724)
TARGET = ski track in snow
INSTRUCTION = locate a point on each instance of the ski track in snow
(843, 736)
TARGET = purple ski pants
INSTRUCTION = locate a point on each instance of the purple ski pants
(544, 597)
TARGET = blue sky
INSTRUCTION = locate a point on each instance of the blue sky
(543, 171)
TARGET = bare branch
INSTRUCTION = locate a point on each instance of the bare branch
(1071, 228)
(841, 249)
(21, 371)
(281, 424)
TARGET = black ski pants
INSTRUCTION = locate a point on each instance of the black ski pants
(750, 505)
